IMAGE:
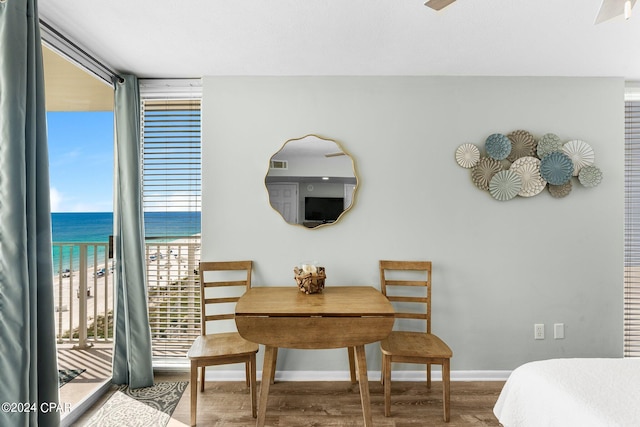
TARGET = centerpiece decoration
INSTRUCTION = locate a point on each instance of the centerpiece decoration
(309, 278)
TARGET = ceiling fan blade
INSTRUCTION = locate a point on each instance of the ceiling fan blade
(438, 4)
(336, 154)
(610, 9)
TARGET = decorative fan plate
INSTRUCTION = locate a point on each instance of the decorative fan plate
(523, 144)
(549, 143)
(498, 146)
(467, 155)
(580, 153)
(482, 173)
(505, 185)
(528, 169)
(560, 191)
(590, 176)
(556, 168)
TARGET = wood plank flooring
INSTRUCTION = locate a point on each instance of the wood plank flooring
(313, 403)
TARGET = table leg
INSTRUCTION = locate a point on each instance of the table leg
(267, 368)
(275, 362)
(364, 385)
(352, 362)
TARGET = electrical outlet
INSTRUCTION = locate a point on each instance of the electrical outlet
(538, 331)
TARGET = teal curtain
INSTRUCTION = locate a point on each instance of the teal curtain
(28, 362)
(132, 336)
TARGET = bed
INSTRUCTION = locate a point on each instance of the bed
(572, 392)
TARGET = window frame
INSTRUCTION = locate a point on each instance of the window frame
(174, 305)
(632, 222)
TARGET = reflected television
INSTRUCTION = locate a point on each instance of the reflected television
(325, 209)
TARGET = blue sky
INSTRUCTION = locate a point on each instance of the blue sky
(81, 161)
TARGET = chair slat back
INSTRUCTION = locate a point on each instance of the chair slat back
(418, 275)
(212, 292)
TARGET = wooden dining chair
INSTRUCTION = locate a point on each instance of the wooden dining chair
(216, 306)
(397, 280)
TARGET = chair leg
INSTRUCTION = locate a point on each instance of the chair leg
(247, 373)
(202, 368)
(252, 386)
(352, 364)
(386, 368)
(446, 390)
(429, 376)
(194, 392)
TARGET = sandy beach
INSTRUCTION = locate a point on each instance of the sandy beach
(67, 297)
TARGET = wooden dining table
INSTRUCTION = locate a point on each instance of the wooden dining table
(337, 317)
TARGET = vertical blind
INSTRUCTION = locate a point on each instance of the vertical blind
(171, 192)
(632, 230)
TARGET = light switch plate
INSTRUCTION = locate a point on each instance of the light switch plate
(558, 331)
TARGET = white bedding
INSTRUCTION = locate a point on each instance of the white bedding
(572, 392)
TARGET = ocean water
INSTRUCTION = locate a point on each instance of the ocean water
(81, 226)
(96, 227)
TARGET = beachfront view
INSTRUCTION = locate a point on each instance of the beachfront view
(83, 286)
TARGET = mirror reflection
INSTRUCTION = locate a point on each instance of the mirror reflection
(311, 181)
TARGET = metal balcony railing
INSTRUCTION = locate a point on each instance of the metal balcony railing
(84, 294)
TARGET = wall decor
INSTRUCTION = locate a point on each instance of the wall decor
(549, 143)
(505, 185)
(467, 155)
(580, 153)
(483, 171)
(556, 168)
(498, 146)
(523, 144)
(528, 169)
(590, 176)
(559, 191)
(519, 164)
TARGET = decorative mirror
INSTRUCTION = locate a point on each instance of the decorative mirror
(311, 181)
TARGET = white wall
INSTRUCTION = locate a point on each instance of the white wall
(499, 267)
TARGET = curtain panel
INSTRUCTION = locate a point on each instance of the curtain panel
(28, 363)
(132, 357)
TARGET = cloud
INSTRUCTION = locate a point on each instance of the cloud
(55, 198)
(61, 203)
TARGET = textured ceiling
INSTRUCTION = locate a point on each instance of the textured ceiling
(195, 38)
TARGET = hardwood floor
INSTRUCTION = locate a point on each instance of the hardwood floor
(310, 404)
(298, 404)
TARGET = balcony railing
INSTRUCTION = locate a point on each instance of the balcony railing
(174, 294)
(84, 294)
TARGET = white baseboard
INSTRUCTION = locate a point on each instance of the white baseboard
(237, 375)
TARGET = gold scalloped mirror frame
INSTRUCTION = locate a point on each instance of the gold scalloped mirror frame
(319, 170)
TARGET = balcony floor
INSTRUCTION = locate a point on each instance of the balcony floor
(97, 362)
